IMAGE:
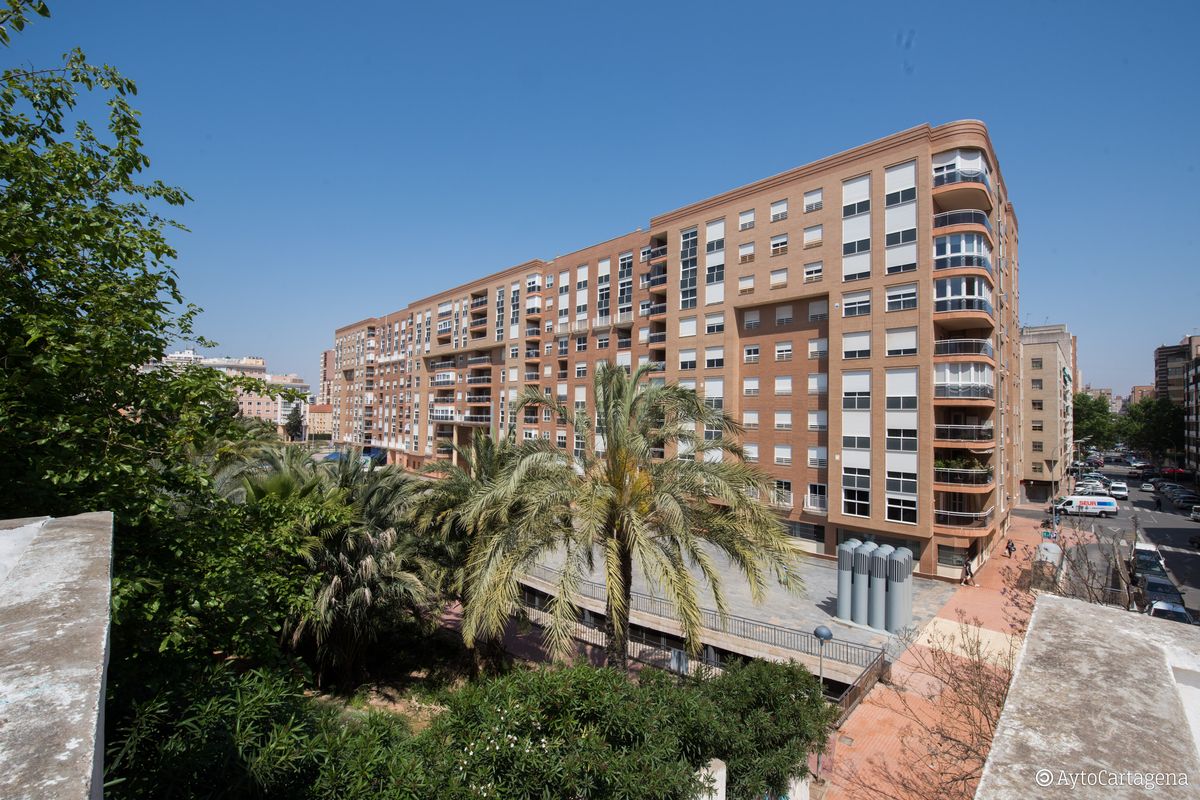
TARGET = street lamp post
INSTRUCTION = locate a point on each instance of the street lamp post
(823, 635)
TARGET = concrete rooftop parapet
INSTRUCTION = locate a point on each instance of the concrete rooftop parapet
(1103, 703)
(55, 576)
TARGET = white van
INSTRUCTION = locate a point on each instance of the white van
(1092, 506)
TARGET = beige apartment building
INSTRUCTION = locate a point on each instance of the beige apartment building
(319, 420)
(1171, 365)
(1047, 409)
(858, 316)
(250, 404)
(1139, 393)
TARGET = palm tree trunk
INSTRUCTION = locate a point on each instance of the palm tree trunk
(616, 622)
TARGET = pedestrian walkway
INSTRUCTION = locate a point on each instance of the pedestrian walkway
(995, 608)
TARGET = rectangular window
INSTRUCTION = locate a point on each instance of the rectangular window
(750, 354)
(813, 272)
(906, 236)
(1036, 425)
(783, 315)
(901, 440)
(751, 320)
(856, 491)
(804, 530)
(1037, 405)
(687, 359)
(856, 247)
(602, 342)
(818, 348)
(746, 220)
(750, 387)
(779, 278)
(813, 201)
(900, 196)
(818, 310)
(783, 420)
(902, 298)
(1037, 467)
(901, 341)
(818, 383)
(783, 386)
(1036, 383)
(779, 210)
(714, 357)
(856, 304)
(818, 457)
(745, 284)
(856, 401)
(687, 326)
(779, 244)
(902, 509)
(580, 344)
(783, 351)
(781, 495)
(856, 442)
(1035, 363)
(818, 420)
(1037, 446)
(901, 402)
(948, 556)
(714, 323)
(813, 235)
(856, 345)
(783, 454)
(750, 453)
(581, 370)
(854, 209)
(745, 252)
(902, 482)
(750, 420)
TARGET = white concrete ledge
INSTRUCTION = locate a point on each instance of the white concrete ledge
(55, 577)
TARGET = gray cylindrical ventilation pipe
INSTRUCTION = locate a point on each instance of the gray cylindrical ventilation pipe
(876, 615)
(845, 576)
(862, 576)
(904, 619)
(895, 589)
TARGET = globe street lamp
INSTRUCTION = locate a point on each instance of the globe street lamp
(823, 635)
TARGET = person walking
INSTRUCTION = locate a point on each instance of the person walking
(1010, 548)
(968, 577)
(1158, 504)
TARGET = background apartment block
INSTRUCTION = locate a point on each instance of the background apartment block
(1191, 417)
(258, 406)
(1171, 364)
(857, 315)
(1047, 413)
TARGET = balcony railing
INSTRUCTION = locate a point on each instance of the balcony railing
(532, 353)
(624, 316)
(473, 360)
(530, 311)
(961, 260)
(442, 382)
(533, 332)
(968, 217)
(653, 280)
(602, 321)
(656, 366)
(962, 176)
(818, 503)
(656, 253)
(963, 304)
(479, 302)
(781, 498)
(477, 418)
(657, 338)
(963, 347)
(477, 379)
(448, 364)
(964, 433)
(970, 391)
(651, 310)
(442, 416)
(963, 477)
(479, 398)
(963, 519)
(531, 376)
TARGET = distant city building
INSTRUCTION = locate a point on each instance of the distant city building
(1139, 393)
(258, 406)
(320, 419)
(1076, 375)
(325, 378)
(1106, 394)
(1047, 413)
(1191, 418)
(1171, 364)
(1116, 404)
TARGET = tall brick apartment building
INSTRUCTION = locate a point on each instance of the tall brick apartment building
(858, 315)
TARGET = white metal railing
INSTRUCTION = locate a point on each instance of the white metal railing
(816, 502)
(963, 519)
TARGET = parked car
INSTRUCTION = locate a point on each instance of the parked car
(1172, 611)
(1143, 565)
(1185, 500)
(1119, 490)
(1158, 589)
(1147, 487)
(1195, 515)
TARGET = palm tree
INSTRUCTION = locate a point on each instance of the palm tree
(617, 500)
(438, 511)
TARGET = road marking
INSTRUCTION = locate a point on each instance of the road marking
(1172, 549)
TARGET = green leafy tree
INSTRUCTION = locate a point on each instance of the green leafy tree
(1093, 421)
(438, 510)
(17, 14)
(1155, 425)
(294, 426)
(622, 504)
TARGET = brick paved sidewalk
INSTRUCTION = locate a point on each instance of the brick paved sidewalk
(998, 607)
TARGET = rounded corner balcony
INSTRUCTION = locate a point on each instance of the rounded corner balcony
(961, 348)
(972, 479)
(961, 180)
(963, 523)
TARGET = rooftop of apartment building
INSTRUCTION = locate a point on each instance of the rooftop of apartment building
(1102, 702)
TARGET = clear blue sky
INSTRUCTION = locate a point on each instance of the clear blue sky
(348, 158)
